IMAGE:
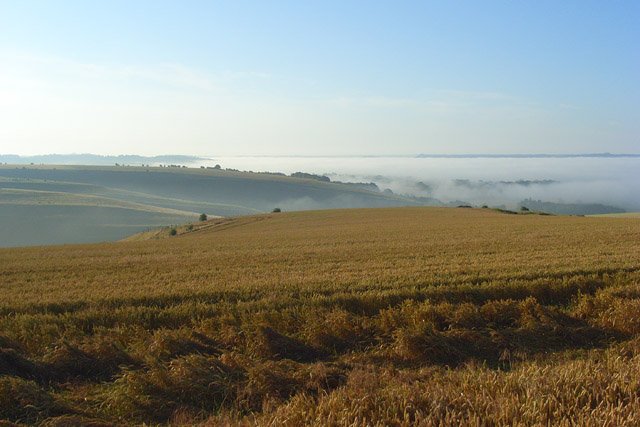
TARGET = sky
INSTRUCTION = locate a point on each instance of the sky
(239, 78)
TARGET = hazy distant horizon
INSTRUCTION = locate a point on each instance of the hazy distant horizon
(426, 155)
(611, 179)
(607, 180)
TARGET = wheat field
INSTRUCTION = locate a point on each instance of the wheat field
(394, 316)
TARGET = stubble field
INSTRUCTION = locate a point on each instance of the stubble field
(395, 316)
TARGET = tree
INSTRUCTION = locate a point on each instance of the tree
(203, 217)
(276, 210)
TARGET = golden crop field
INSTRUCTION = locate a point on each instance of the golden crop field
(394, 316)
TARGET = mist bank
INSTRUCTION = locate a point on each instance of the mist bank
(478, 179)
(510, 194)
(612, 180)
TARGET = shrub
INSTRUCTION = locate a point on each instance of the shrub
(276, 210)
(203, 217)
(524, 209)
(173, 231)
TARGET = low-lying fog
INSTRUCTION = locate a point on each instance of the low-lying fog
(492, 181)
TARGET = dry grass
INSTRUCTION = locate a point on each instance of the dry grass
(402, 316)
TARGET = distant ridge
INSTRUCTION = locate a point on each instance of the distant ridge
(95, 159)
(521, 156)
(135, 160)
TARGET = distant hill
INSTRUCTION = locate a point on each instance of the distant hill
(96, 160)
(570, 208)
(522, 156)
(80, 204)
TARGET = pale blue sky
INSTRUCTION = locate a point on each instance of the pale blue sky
(313, 78)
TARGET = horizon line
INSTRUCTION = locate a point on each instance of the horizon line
(421, 155)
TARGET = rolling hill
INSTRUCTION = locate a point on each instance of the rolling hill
(394, 316)
(76, 204)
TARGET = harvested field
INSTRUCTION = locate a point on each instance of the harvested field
(395, 316)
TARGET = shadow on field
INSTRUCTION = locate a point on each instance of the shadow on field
(555, 288)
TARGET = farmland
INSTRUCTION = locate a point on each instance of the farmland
(87, 204)
(389, 316)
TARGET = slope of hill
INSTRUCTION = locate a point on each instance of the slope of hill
(397, 316)
(221, 209)
(11, 196)
(33, 217)
(571, 208)
(215, 192)
(619, 215)
(258, 191)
